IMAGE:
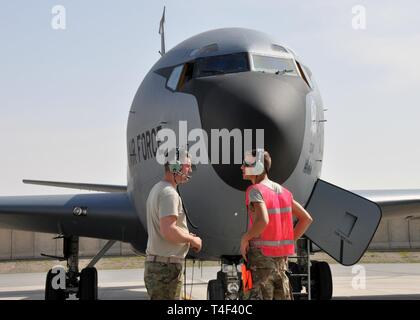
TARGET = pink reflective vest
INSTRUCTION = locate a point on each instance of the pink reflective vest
(277, 239)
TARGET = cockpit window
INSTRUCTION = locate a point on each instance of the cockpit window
(273, 64)
(229, 63)
(304, 75)
(174, 77)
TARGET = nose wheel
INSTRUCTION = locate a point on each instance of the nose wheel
(228, 283)
(215, 290)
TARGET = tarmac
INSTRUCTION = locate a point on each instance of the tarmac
(367, 282)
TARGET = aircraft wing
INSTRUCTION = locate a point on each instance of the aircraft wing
(78, 185)
(97, 215)
(394, 203)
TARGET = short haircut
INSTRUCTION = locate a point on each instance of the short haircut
(167, 167)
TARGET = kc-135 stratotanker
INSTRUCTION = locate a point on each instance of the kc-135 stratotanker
(230, 78)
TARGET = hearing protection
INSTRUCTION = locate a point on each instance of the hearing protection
(257, 167)
(175, 167)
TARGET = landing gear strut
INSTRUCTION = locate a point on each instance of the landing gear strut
(83, 284)
(313, 276)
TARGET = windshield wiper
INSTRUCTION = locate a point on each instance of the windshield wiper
(284, 71)
(213, 71)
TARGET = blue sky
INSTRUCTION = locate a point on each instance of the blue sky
(65, 94)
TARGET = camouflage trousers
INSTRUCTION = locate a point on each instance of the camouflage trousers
(269, 278)
(163, 280)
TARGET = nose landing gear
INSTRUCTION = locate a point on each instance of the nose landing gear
(313, 276)
(228, 284)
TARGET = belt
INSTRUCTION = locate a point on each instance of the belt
(153, 258)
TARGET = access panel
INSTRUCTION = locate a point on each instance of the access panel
(344, 222)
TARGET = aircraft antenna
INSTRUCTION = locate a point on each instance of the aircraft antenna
(162, 33)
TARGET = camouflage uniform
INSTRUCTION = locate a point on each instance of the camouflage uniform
(269, 279)
(163, 280)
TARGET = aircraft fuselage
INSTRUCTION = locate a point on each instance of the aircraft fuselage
(286, 105)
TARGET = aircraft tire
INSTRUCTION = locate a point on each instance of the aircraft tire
(88, 284)
(322, 285)
(215, 290)
(52, 294)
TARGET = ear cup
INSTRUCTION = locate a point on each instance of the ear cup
(175, 167)
(259, 167)
(256, 169)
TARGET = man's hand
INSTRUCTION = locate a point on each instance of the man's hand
(172, 233)
(259, 224)
(244, 247)
(196, 243)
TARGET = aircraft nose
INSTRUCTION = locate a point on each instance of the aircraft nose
(253, 100)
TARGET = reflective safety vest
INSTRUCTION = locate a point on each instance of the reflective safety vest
(277, 239)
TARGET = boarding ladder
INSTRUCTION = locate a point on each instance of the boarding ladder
(300, 268)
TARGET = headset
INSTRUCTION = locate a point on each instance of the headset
(176, 169)
(175, 166)
(256, 168)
